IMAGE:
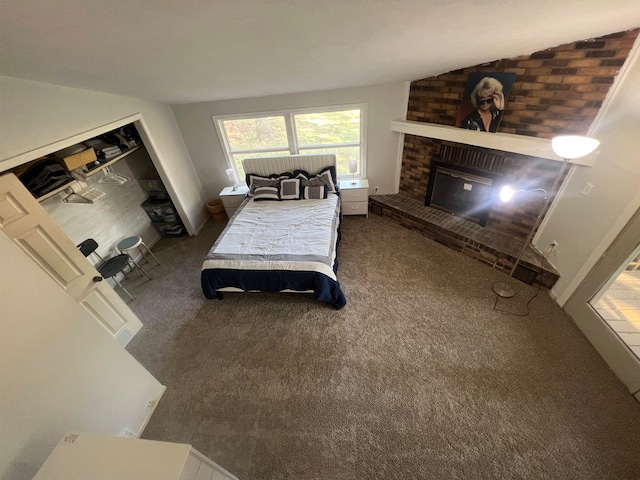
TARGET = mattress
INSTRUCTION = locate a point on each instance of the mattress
(278, 246)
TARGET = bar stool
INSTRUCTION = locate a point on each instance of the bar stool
(129, 243)
(111, 267)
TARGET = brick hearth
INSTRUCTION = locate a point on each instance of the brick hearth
(556, 91)
(489, 246)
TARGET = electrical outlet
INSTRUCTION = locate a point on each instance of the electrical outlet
(375, 189)
(587, 189)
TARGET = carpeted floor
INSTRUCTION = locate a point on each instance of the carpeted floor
(416, 378)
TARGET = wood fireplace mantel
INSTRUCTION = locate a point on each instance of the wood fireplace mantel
(506, 142)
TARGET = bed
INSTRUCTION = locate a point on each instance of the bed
(285, 234)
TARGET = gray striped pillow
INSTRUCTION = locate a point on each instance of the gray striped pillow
(256, 181)
(266, 193)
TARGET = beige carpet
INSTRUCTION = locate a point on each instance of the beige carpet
(417, 377)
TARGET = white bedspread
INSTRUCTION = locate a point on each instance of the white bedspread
(287, 235)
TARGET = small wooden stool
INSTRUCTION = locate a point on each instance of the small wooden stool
(129, 243)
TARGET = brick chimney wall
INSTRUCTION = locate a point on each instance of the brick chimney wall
(556, 91)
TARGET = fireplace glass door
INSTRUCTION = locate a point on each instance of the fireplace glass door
(460, 193)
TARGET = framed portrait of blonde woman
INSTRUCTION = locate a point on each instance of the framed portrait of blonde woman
(484, 100)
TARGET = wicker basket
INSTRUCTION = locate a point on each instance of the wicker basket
(78, 160)
(216, 208)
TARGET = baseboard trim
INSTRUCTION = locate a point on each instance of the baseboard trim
(202, 225)
(151, 407)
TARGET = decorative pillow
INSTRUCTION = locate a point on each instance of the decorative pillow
(326, 177)
(290, 189)
(323, 177)
(254, 181)
(266, 193)
(313, 192)
(282, 175)
(302, 174)
(331, 169)
(303, 177)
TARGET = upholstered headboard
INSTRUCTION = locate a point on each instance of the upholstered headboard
(271, 165)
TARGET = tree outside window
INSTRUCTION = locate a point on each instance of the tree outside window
(332, 130)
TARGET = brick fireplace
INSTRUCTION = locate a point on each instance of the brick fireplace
(515, 219)
(557, 91)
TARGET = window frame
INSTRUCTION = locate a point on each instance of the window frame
(292, 138)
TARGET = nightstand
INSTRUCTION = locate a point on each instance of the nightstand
(231, 199)
(355, 197)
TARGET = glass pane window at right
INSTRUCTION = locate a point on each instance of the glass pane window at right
(328, 128)
(337, 132)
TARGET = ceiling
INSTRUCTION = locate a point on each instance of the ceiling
(177, 51)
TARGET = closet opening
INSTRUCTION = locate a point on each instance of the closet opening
(104, 186)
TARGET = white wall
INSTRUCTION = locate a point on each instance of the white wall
(385, 103)
(59, 370)
(36, 117)
(585, 226)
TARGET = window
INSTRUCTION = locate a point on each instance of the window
(339, 130)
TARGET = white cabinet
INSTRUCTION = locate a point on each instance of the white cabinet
(355, 197)
(80, 456)
(231, 199)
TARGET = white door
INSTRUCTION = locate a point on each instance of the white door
(618, 302)
(583, 307)
(24, 221)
